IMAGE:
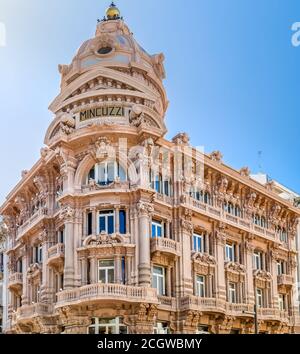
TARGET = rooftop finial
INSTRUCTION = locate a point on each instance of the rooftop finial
(113, 13)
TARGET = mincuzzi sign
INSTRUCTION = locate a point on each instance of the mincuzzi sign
(101, 112)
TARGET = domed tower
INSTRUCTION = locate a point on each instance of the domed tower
(111, 82)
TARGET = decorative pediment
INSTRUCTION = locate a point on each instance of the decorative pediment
(104, 239)
(235, 267)
(204, 258)
(262, 275)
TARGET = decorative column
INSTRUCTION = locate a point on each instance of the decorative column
(145, 210)
(93, 269)
(168, 282)
(249, 248)
(118, 269)
(68, 215)
(47, 287)
(186, 262)
(220, 236)
(128, 269)
(83, 271)
(25, 266)
(273, 268)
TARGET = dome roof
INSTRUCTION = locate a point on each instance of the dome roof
(112, 13)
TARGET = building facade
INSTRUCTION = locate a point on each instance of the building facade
(2, 276)
(117, 230)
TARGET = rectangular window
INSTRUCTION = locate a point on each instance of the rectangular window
(157, 229)
(107, 222)
(106, 271)
(122, 219)
(161, 328)
(281, 302)
(257, 260)
(281, 267)
(107, 326)
(90, 223)
(229, 252)
(158, 280)
(259, 298)
(200, 283)
(198, 243)
(232, 296)
(61, 236)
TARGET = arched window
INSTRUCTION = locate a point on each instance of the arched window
(106, 172)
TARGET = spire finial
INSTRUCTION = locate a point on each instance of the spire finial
(113, 13)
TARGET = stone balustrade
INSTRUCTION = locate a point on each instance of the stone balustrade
(56, 251)
(166, 302)
(112, 292)
(165, 245)
(37, 309)
(29, 224)
(219, 214)
(15, 280)
(285, 279)
(272, 314)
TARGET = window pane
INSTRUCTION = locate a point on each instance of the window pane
(101, 173)
(159, 231)
(106, 263)
(122, 221)
(111, 226)
(121, 173)
(153, 230)
(110, 172)
(102, 275)
(92, 330)
(111, 274)
(102, 226)
(161, 286)
(158, 270)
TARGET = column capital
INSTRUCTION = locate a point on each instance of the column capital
(67, 213)
(187, 226)
(145, 208)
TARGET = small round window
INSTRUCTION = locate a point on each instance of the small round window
(104, 50)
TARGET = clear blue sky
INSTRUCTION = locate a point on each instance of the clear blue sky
(233, 75)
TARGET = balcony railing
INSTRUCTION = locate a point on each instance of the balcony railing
(34, 310)
(32, 221)
(192, 302)
(218, 213)
(285, 279)
(167, 302)
(165, 245)
(164, 198)
(111, 292)
(56, 253)
(272, 314)
(15, 280)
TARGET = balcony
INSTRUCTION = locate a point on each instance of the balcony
(163, 198)
(167, 303)
(165, 245)
(271, 314)
(15, 282)
(32, 222)
(197, 303)
(110, 293)
(219, 214)
(285, 280)
(34, 310)
(56, 255)
(240, 310)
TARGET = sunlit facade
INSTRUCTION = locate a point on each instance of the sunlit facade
(117, 230)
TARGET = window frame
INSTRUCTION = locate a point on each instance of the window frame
(159, 277)
(106, 214)
(106, 270)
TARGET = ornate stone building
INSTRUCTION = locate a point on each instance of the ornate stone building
(2, 261)
(117, 230)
